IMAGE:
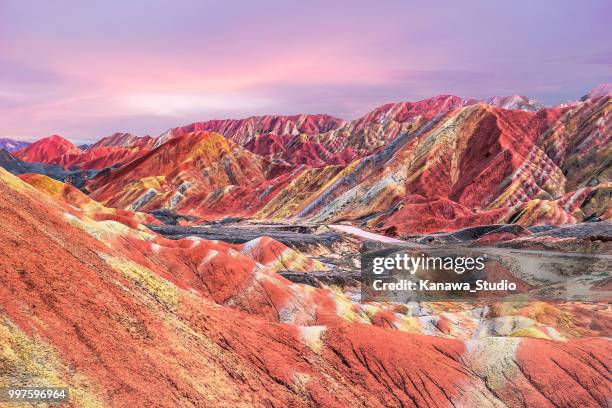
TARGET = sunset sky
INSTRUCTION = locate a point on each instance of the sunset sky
(85, 71)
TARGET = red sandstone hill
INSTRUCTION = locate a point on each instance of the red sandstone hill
(182, 172)
(280, 137)
(49, 150)
(242, 131)
(125, 318)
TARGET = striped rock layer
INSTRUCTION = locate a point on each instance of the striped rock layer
(438, 164)
(127, 318)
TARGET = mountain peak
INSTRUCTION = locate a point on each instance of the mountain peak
(122, 139)
(515, 102)
(56, 139)
(47, 150)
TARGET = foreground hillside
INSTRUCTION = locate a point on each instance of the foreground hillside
(126, 318)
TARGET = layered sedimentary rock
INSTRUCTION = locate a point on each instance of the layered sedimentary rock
(192, 171)
(319, 140)
(440, 164)
(127, 318)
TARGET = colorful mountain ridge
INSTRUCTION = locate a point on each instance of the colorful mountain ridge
(439, 164)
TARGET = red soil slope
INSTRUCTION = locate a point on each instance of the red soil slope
(80, 310)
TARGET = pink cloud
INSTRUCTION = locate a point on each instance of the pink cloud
(85, 71)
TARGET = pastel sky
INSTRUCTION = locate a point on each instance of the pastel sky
(87, 69)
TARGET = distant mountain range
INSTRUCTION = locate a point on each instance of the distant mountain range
(11, 145)
(438, 164)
